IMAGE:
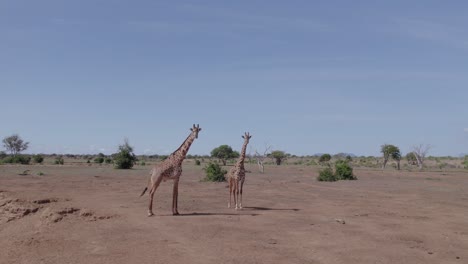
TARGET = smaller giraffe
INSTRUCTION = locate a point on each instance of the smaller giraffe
(170, 169)
(236, 176)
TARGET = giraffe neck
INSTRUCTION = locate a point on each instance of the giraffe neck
(242, 154)
(179, 155)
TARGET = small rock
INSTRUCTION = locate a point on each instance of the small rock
(341, 221)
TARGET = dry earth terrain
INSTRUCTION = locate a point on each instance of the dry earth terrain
(93, 214)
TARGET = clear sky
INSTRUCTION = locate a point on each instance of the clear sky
(305, 77)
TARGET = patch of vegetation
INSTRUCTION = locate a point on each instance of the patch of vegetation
(38, 159)
(125, 158)
(327, 174)
(99, 160)
(325, 158)
(197, 162)
(143, 163)
(214, 173)
(224, 153)
(343, 171)
(40, 173)
(17, 159)
(278, 155)
(59, 160)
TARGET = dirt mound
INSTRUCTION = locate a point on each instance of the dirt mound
(51, 216)
(13, 209)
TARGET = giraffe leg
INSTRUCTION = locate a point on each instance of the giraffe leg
(230, 192)
(241, 187)
(175, 195)
(152, 191)
(237, 194)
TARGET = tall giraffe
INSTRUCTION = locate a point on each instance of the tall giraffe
(170, 168)
(236, 176)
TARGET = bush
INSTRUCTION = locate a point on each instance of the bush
(214, 173)
(18, 159)
(125, 159)
(38, 158)
(326, 174)
(59, 160)
(343, 171)
(108, 160)
(99, 160)
(325, 158)
(143, 163)
(197, 162)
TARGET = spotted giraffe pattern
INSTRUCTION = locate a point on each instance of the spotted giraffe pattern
(170, 169)
(236, 176)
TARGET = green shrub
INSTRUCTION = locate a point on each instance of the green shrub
(312, 163)
(108, 160)
(18, 159)
(326, 174)
(38, 158)
(2, 155)
(214, 173)
(59, 160)
(125, 159)
(343, 171)
(197, 162)
(143, 163)
(99, 160)
(40, 173)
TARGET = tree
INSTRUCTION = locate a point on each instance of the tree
(14, 144)
(420, 151)
(325, 158)
(396, 156)
(261, 157)
(224, 152)
(125, 158)
(390, 151)
(278, 156)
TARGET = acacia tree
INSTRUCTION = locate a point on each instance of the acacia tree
(396, 156)
(390, 151)
(278, 156)
(223, 153)
(14, 144)
(420, 151)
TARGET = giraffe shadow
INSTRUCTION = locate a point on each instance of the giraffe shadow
(210, 214)
(270, 209)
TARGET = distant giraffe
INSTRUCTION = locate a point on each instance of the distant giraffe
(236, 176)
(170, 168)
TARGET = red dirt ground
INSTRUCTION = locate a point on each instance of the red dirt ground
(93, 214)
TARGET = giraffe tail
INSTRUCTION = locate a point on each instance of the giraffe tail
(143, 191)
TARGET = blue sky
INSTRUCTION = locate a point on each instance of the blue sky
(305, 77)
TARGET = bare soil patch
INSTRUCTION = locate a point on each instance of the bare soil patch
(93, 214)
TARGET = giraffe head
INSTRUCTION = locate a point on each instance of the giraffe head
(195, 130)
(246, 137)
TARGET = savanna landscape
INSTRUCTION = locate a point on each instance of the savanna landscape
(82, 212)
